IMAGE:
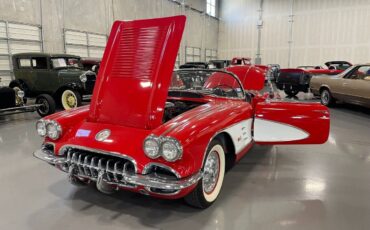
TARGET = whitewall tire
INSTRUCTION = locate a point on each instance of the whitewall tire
(210, 185)
(70, 99)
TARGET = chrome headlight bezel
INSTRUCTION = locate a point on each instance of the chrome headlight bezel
(83, 78)
(162, 142)
(20, 94)
(43, 126)
(56, 126)
(174, 144)
(155, 140)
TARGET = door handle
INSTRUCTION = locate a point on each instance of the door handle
(344, 84)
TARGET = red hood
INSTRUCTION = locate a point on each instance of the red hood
(135, 72)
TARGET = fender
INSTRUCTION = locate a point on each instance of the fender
(71, 85)
(194, 131)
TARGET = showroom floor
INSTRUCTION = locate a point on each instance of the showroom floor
(280, 187)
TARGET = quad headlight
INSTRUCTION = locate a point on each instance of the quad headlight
(169, 148)
(41, 127)
(51, 129)
(151, 147)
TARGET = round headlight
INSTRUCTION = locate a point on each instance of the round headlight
(151, 147)
(20, 94)
(41, 127)
(53, 130)
(83, 78)
(171, 150)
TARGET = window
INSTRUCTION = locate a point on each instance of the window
(192, 54)
(211, 7)
(39, 63)
(359, 73)
(24, 63)
(211, 54)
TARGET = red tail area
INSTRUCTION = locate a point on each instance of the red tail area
(135, 72)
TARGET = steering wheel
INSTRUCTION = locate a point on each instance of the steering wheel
(220, 90)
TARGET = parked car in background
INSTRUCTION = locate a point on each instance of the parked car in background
(58, 75)
(12, 101)
(92, 64)
(194, 65)
(169, 134)
(219, 64)
(351, 86)
(295, 80)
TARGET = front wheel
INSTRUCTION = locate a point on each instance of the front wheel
(71, 99)
(46, 105)
(209, 187)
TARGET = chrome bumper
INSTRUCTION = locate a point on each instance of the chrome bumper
(127, 178)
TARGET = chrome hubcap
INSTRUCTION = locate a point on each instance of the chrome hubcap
(71, 100)
(211, 172)
(325, 97)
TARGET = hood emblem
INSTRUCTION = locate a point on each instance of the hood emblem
(102, 135)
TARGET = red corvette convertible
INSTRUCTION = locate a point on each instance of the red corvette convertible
(169, 134)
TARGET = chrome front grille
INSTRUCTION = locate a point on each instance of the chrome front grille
(89, 165)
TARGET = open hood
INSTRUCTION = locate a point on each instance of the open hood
(135, 73)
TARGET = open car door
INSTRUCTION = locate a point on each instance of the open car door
(291, 123)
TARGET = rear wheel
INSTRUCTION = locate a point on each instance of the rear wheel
(209, 187)
(46, 105)
(326, 98)
(70, 99)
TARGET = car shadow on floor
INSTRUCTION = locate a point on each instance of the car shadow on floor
(152, 211)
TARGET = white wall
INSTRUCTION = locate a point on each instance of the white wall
(97, 16)
(322, 30)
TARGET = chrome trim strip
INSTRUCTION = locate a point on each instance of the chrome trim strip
(151, 164)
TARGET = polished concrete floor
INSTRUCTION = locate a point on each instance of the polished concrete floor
(279, 187)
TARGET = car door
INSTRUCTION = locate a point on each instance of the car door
(23, 71)
(43, 76)
(357, 86)
(278, 122)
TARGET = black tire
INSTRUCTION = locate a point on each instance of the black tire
(199, 197)
(326, 98)
(75, 96)
(47, 105)
(291, 92)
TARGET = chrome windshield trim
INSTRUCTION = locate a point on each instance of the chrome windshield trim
(219, 71)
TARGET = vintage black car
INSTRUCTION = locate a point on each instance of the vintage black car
(12, 101)
(60, 76)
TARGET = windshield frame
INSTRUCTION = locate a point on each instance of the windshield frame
(214, 70)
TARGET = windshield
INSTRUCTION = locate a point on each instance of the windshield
(340, 66)
(211, 82)
(65, 62)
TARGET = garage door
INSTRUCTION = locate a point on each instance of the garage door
(210, 54)
(84, 44)
(192, 54)
(16, 38)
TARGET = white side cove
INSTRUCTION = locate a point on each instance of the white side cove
(241, 134)
(272, 131)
